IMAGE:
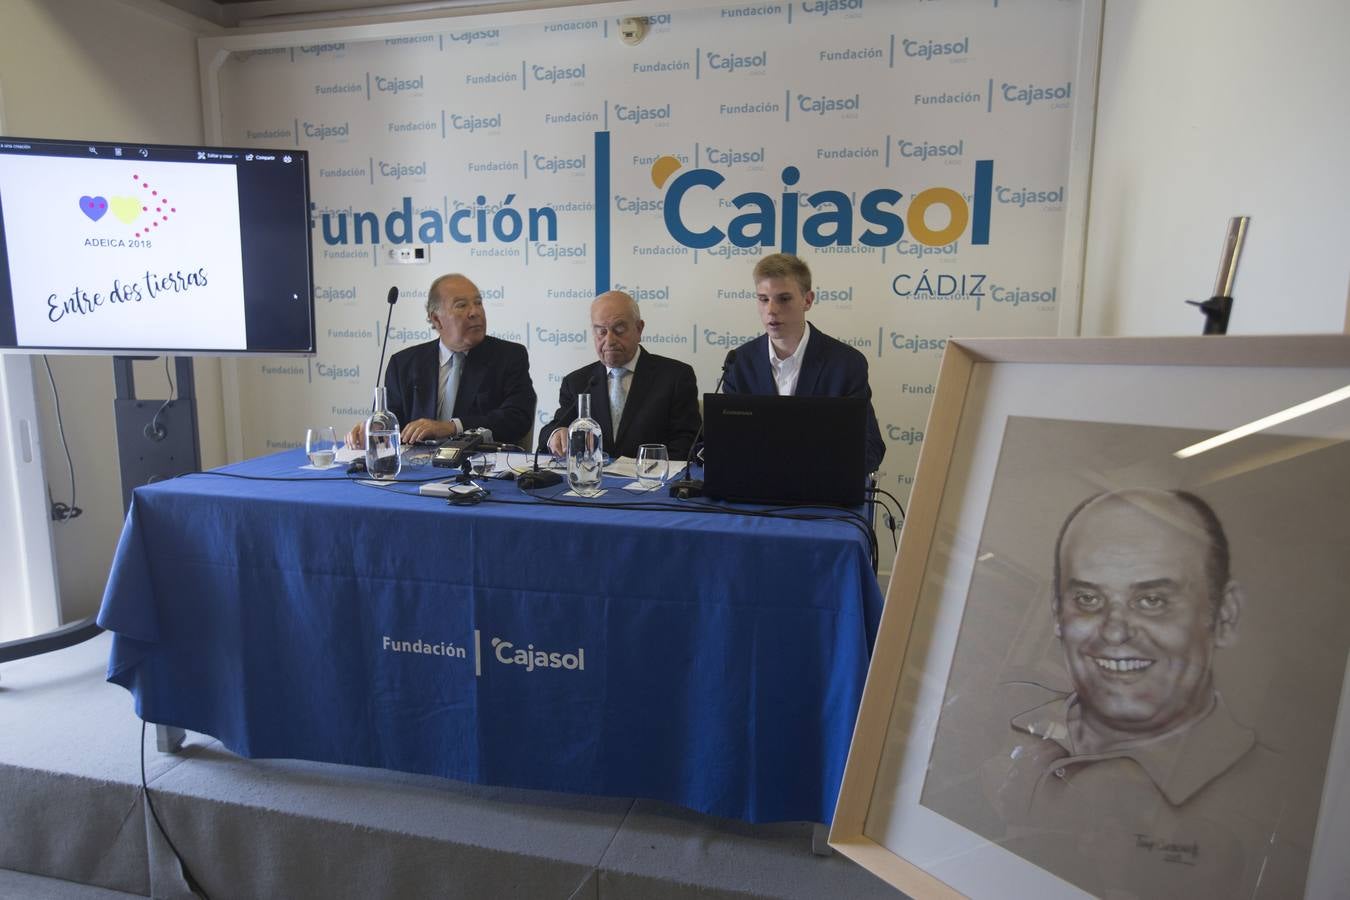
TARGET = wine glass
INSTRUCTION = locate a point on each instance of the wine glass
(321, 444)
(653, 465)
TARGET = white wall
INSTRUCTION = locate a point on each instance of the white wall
(1209, 109)
(91, 68)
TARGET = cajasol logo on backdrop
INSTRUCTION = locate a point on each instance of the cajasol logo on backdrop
(550, 164)
(638, 206)
(472, 124)
(924, 150)
(335, 294)
(490, 37)
(574, 73)
(1054, 95)
(930, 50)
(841, 107)
(721, 339)
(734, 157)
(559, 337)
(655, 294)
(338, 373)
(766, 220)
(638, 114)
(1043, 298)
(317, 50)
(326, 131)
(904, 434)
(574, 253)
(846, 8)
(727, 62)
(397, 171)
(917, 343)
(1025, 196)
(835, 295)
(395, 85)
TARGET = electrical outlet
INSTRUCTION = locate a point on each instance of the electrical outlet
(410, 256)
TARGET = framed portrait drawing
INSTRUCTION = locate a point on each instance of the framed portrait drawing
(1113, 657)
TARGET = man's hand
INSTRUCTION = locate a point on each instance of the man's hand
(557, 442)
(356, 438)
(426, 430)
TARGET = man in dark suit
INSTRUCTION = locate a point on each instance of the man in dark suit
(465, 379)
(657, 396)
(794, 358)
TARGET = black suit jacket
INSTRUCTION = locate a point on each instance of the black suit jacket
(662, 406)
(495, 391)
(830, 368)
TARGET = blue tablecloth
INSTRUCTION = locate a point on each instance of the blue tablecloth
(715, 662)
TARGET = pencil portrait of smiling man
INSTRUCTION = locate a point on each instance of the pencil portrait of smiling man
(1143, 600)
(1144, 681)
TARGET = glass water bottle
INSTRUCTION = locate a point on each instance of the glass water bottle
(585, 455)
(382, 449)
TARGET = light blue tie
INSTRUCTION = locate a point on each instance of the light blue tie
(445, 407)
(616, 396)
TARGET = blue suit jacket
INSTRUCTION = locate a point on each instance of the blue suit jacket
(830, 368)
(495, 391)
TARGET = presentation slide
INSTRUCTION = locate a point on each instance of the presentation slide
(123, 253)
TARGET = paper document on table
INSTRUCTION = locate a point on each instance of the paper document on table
(623, 467)
(349, 454)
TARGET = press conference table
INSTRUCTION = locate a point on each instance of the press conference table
(711, 661)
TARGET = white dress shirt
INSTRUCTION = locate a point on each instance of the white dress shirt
(785, 371)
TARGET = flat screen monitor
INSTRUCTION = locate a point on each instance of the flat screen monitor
(125, 248)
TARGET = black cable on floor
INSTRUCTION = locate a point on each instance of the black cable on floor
(61, 512)
(193, 885)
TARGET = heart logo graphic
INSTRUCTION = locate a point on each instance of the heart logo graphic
(126, 209)
(93, 207)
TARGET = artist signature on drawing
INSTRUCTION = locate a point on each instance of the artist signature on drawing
(1172, 852)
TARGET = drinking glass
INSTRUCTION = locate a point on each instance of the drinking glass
(321, 444)
(653, 465)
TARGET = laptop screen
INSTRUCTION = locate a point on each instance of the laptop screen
(771, 449)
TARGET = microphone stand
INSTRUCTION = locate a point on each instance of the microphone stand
(537, 477)
(688, 487)
(357, 466)
(1218, 308)
(379, 370)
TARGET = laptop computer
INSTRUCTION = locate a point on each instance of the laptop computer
(770, 449)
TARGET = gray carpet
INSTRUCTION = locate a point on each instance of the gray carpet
(71, 809)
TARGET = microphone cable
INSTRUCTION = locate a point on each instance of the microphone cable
(192, 883)
(61, 512)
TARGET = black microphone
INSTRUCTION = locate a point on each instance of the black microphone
(688, 487)
(537, 477)
(379, 370)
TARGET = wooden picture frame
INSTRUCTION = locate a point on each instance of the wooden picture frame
(1103, 388)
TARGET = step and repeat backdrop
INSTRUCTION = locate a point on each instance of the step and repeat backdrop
(915, 154)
